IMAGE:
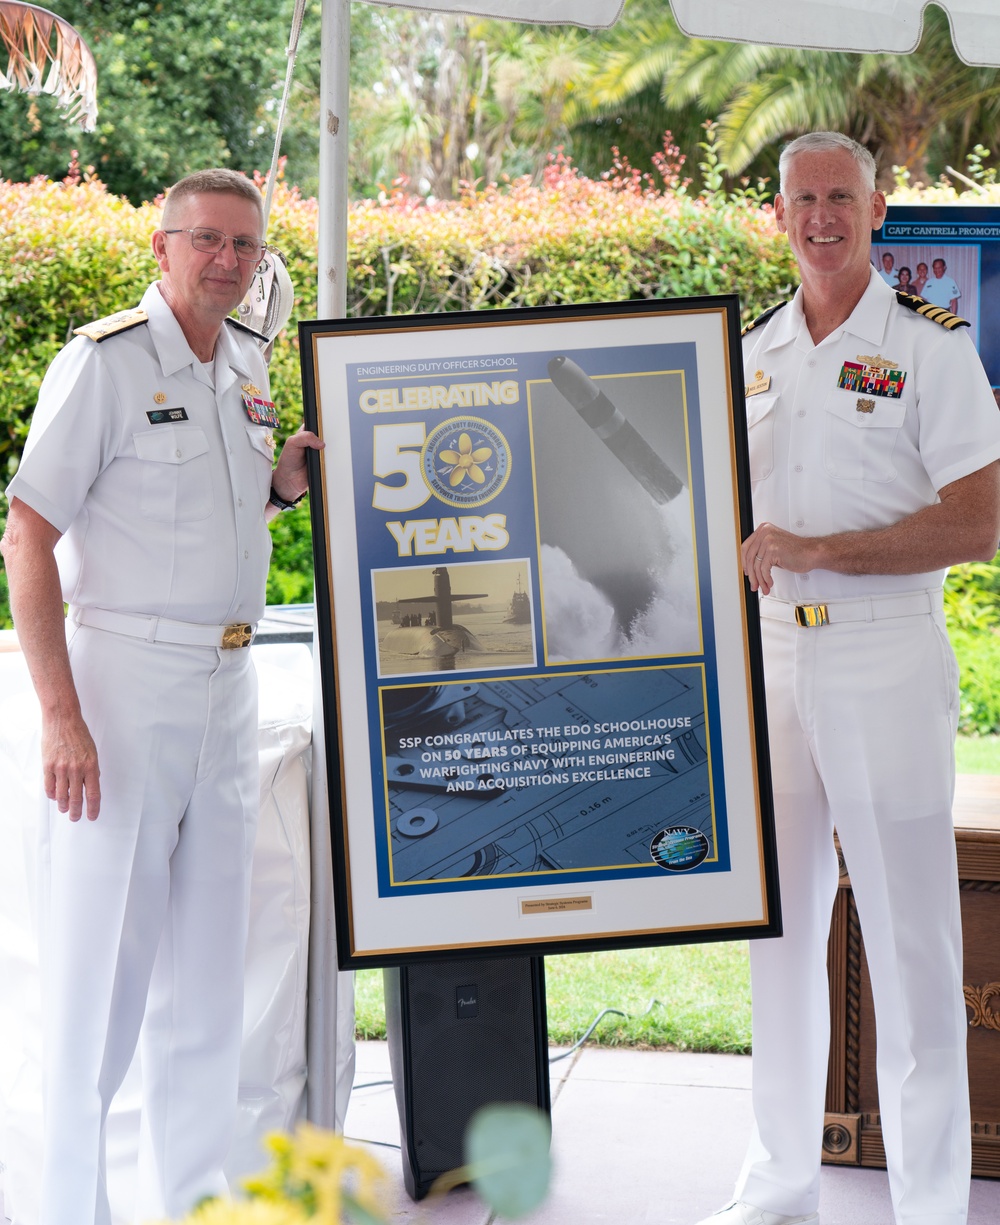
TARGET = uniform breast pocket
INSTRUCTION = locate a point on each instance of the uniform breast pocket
(760, 434)
(860, 436)
(262, 444)
(176, 477)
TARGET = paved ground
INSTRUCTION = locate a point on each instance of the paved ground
(639, 1138)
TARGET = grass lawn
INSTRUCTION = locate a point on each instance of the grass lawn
(978, 755)
(702, 994)
(702, 991)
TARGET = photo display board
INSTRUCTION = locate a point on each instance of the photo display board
(950, 255)
(541, 665)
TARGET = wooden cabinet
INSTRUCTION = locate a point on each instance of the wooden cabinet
(853, 1133)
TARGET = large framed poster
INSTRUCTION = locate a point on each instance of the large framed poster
(950, 255)
(541, 670)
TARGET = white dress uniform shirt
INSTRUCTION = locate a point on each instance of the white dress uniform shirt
(825, 458)
(941, 290)
(161, 517)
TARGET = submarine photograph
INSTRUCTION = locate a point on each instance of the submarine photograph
(469, 616)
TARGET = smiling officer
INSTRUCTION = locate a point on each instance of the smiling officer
(874, 441)
(141, 501)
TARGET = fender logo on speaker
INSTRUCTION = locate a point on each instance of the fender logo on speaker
(467, 1001)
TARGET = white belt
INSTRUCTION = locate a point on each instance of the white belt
(162, 629)
(865, 608)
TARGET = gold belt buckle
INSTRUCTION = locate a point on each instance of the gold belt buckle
(236, 636)
(811, 615)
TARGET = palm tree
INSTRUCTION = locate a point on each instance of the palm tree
(401, 135)
(459, 99)
(535, 72)
(920, 111)
(419, 110)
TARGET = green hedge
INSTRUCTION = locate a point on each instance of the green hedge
(972, 607)
(70, 252)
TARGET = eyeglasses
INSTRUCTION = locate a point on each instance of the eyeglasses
(212, 242)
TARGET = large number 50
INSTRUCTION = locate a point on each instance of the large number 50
(393, 447)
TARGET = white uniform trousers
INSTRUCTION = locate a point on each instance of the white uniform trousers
(861, 723)
(153, 895)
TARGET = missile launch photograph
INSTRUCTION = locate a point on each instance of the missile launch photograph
(614, 513)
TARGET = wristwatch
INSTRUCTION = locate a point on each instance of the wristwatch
(282, 503)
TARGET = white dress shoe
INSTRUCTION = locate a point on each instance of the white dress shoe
(739, 1213)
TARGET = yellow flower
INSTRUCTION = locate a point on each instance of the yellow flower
(466, 461)
(251, 1212)
(329, 1165)
(317, 1170)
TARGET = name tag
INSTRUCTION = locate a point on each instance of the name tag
(159, 416)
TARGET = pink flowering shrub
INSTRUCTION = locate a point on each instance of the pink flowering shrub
(71, 252)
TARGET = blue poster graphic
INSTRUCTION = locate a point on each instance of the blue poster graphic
(537, 634)
(949, 255)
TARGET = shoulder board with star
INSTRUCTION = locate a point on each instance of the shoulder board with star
(762, 319)
(929, 311)
(111, 325)
(242, 327)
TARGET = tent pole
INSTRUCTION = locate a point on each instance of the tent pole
(330, 1011)
(334, 94)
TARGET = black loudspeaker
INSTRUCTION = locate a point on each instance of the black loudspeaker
(462, 1034)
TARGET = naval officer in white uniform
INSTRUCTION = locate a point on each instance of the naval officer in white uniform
(874, 441)
(941, 289)
(141, 501)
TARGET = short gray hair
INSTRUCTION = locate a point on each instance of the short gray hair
(219, 182)
(826, 142)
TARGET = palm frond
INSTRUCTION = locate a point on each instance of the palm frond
(624, 69)
(47, 55)
(712, 72)
(775, 107)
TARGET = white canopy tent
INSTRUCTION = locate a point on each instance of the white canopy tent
(843, 25)
(832, 25)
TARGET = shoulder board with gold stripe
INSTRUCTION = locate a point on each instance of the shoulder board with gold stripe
(936, 313)
(101, 329)
(243, 328)
(762, 319)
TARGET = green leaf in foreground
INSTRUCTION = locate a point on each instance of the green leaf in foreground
(507, 1158)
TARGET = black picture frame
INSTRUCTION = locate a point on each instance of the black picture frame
(542, 682)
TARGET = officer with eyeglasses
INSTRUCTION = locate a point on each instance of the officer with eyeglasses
(142, 502)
